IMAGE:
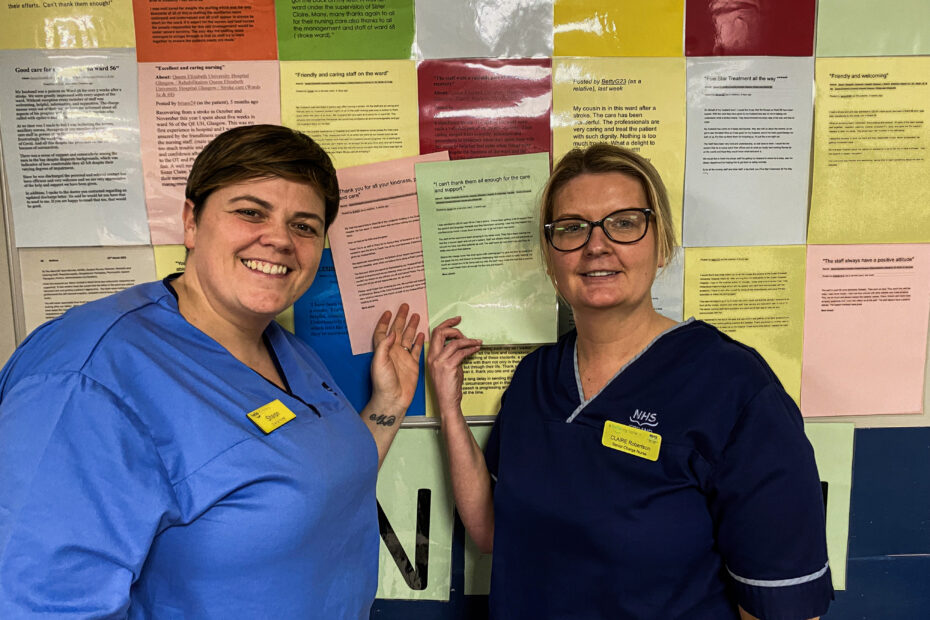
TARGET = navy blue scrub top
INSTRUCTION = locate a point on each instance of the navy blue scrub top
(730, 512)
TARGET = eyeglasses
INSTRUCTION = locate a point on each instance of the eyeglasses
(623, 226)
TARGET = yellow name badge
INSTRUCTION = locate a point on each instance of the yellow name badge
(635, 441)
(271, 416)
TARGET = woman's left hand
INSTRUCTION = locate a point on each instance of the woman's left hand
(395, 365)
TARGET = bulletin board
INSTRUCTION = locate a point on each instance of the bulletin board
(793, 136)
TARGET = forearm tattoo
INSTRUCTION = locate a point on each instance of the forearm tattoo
(383, 420)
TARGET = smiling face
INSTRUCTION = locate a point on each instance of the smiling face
(255, 248)
(603, 274)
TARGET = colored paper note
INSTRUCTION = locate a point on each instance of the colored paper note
(477, 564)
(376, 244)
(479, 225)
(286, 319)
(67, 24)
(7, 333)
(756, 296)
(171, 259)
(868, 28)
(487, 374)
(871, 151)
(56, 279)
(348, 29)
(485, 108)
(618, 27)
(320, 322)
(865, 329)
(359, 111)
(748, 151)
(478, 28)
(638, 103)
(889, 420)
(668, 291)
(70, 126)
(182, 31)
(185, 105)
(750, 27)
(926, 415)
(833, 451)
(415, 519)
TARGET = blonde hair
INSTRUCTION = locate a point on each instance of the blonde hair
(602, 158)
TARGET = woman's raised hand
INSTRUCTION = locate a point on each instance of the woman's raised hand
(471, 483)
(447, 350)
(395, 365)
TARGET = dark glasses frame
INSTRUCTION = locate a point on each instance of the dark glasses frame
(648, 213)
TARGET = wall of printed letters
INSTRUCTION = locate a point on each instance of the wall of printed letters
(793, 136)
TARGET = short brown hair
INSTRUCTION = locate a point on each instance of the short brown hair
(262, 151)
(601, 158)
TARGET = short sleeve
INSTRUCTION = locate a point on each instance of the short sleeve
(84, 493)
(768, 510)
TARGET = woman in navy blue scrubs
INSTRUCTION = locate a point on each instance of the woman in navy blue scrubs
(638, 468)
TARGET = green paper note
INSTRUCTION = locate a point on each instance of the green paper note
(345, 30)
(414, 471)
(870, 28)
(833, 449)
(477, 564)
(478, 220)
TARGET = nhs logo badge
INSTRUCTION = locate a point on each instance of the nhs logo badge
(644, 418)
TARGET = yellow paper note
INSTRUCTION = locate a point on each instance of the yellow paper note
(756, 296)
(638, 103)
(833, 450)
(618, 28)
(360, 111)
(170, 259)
(62, 25)
(871, 151)
(7, 331)
(487, 375)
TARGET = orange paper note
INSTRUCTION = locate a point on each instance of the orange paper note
(179, 30)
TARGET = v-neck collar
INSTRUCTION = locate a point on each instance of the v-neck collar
(268, 337)
(584, 403)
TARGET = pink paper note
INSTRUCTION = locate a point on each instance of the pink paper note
(377, 250)
(865, 329)
(184, 105)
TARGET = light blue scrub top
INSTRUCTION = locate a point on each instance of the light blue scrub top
(134, 484)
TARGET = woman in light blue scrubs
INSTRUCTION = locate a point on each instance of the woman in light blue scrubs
(171, 452)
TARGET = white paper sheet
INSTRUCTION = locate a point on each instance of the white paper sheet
(484, 28)
(70, 124)
(56, 279)
(748, 151)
